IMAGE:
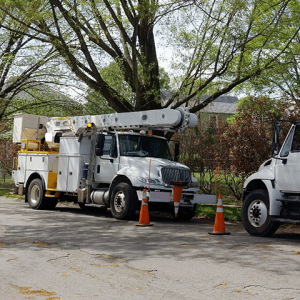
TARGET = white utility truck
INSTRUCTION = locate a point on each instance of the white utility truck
(104, 160)
(272, 195)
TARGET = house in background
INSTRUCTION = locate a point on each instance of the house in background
(223, 106)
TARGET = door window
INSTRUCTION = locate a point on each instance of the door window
(296, 140)
(286, 148)
(110, 146)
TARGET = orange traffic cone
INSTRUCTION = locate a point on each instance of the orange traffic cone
(177, 191)
(219, 228)
(144, 212)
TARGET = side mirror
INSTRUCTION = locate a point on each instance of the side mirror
(275, 144)
(176, 151)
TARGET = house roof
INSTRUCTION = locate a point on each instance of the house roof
(222, 105)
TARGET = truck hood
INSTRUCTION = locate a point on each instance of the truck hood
(265, 172)
(139, 166)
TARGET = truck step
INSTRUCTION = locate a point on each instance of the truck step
(289, 221)
(294, 200)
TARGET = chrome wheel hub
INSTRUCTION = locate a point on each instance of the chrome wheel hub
(119, 201)
(257, 213)
(34, 194)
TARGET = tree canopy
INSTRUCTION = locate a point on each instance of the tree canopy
(28, 68)
(213, 46)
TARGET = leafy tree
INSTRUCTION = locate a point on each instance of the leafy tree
(247, 139)
(236, 147)
(46, 101)
(97, 104)
(8, 151)
(217, 45)
(284, 77)
(27, 70)
(198, 147)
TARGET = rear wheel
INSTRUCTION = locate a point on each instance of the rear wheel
(52, 202)
(123, 201)
(255, 214)
(82, 206)
(36, 195)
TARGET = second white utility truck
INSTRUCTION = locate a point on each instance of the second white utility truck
(105, 160)
(272, 195)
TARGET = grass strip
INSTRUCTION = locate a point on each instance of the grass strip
(9, 194)
(209, 211)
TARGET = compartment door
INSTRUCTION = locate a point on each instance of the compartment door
(73, 174)
(62, 175)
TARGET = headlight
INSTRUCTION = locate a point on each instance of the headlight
(146, 180)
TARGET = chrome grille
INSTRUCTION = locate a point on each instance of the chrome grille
(172, 174)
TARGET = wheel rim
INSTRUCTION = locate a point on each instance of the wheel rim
(257, 213)
(34, 194)
(119, 201)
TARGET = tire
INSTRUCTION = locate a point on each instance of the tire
(36, 195)
(123, 201)
(52, 202)
(185, 213)
(82, 206)
(255, 214)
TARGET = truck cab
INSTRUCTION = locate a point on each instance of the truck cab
(140, 161)
(272, 195)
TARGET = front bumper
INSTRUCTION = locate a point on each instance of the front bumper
(186, 198)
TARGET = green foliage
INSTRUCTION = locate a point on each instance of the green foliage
(112, 74)
(27, 67)
(198, 148)
(212, 48)
(96, 104)
(9, 194)
(236, 148)
(230, 42)
(45, 101)
(209, 211)
(247, 140)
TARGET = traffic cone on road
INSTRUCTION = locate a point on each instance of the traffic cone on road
(144, 219)
(219, 227)
(177, 191)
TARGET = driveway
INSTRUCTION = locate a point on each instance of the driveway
(68, 253)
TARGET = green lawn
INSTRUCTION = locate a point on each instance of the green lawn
(7, 183)
(9, 193)
(209, 211)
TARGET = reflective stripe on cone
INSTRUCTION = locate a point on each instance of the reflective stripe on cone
(144, 219)
(219, 227)
(177, 191)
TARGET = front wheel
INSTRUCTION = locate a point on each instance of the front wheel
(185, 213)
(255, 214)
(123, 201)
(36, 195)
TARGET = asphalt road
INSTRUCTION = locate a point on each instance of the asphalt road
(71, 254)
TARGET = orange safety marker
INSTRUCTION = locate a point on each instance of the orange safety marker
(177, 191)
(219, 228)
(144, 219)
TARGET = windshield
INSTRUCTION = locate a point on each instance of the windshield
(136, 145)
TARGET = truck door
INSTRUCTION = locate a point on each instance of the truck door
(107, 165)
(287, 168)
